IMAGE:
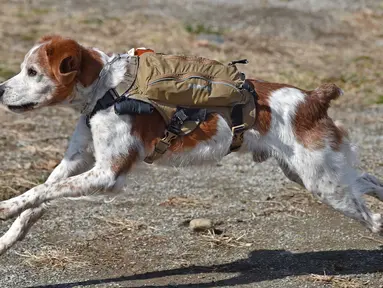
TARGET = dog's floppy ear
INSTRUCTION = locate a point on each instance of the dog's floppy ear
(68, 70)
(64, 57)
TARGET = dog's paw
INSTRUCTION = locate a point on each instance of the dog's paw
(377, 223)
(8, 209)
(372, 179)
(3, 249)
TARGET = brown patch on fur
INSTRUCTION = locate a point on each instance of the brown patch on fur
(66, 62)
(124, 163)
(312, 125)
(205, 131)
(264, 91)
(91, 66)
(149, 128)
(61, 91)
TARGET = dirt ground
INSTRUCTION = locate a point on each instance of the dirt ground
(269, 232)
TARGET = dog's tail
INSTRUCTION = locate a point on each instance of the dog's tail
(328, 92)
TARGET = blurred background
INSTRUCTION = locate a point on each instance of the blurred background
(301, 42)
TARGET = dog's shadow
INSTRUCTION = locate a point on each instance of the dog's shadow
(261, 265)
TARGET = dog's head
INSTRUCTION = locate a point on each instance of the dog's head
(49, 72)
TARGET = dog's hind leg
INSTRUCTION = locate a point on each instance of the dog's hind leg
(289, 173)
(327, 174)
(370, 185)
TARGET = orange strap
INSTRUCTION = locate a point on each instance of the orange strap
(140, 51)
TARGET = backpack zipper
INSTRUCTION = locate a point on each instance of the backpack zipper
(194, 77)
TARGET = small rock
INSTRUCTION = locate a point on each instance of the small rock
(202, 43)
(201, 224)
(27, 166)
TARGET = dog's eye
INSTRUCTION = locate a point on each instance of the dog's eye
(32, 72)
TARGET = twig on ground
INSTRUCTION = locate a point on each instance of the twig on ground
(372, 239)
(52, 258)
(225, 240)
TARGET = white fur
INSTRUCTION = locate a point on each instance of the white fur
(87, 165)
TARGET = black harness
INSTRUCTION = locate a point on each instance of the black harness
(109, 99)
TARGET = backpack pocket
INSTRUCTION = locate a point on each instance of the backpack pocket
(193, 89)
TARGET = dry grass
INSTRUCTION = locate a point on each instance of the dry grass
(277, 207)
(224, 240)
(49, 257)
(14, 183)
(180, 201)
(338, 281)
(122, 225)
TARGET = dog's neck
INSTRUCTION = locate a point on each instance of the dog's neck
(112, 72)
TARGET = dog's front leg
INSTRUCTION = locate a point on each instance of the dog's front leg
(78, 158)
(97, 180)
(116, 149)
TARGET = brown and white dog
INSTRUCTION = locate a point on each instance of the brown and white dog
(292, 125)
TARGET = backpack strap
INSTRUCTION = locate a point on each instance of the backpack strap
(238, 127)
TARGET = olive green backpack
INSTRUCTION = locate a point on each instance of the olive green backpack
(188, 81)
(171, 82)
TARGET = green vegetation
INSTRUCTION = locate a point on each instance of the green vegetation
(6, 73)
(41, 11)
(202, 29)
(31, 35)
(92, 21)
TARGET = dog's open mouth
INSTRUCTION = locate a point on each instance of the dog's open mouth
(23, 107)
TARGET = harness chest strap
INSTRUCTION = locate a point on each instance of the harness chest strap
(174, 130)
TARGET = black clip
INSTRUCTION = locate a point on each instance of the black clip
(243, 61)
(250, 88)
(177, 121)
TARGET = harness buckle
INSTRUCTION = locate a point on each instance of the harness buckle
(165, 142)
(161, 147)
(238, 129)
(237, 141)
